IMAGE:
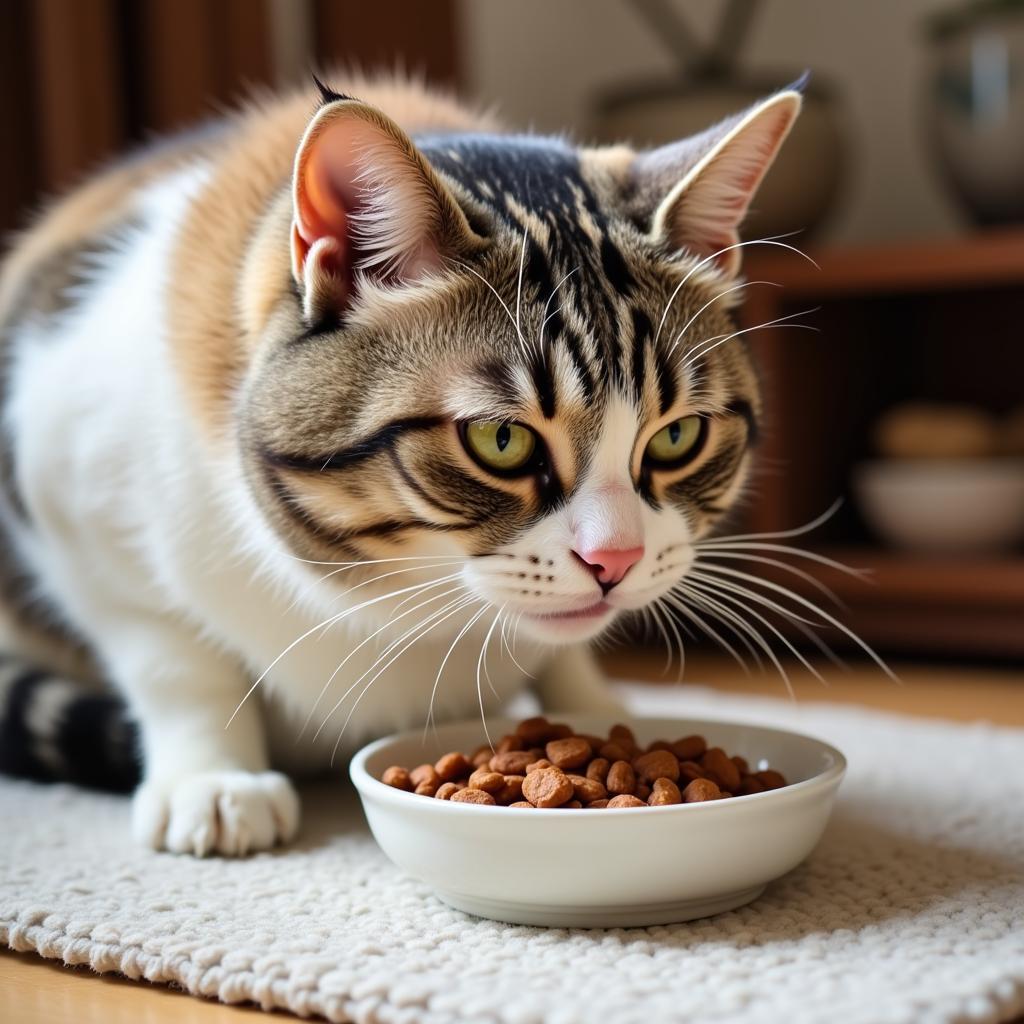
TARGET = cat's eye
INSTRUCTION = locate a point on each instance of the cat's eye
(504, 448)
(677, 443)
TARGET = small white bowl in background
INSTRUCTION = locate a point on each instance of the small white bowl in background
(603, 868)
(954, 506)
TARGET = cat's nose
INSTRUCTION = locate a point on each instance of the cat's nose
(610, 565)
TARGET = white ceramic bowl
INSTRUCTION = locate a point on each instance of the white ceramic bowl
(603, 868)
(957, 506)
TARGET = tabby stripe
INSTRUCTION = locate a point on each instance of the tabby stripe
(666, 382)
(641, 334)
(384, 528)
(575, 346)
(742, 408)
(418, 489)
(380, 441)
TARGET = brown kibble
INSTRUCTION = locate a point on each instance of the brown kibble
(568, 753)
(700, 790)
(581, 770)
(512, 791)
(665, 791)
(425, 773)
(587, 790)
(621, 778)
(770, 778)
(512, 762)
(452, 766)
(572, 805)
(625, 800)
(658, 764)
(488, 781)
(717, 763)
(750, 785)
(613, 751)
(623, 735)
(547, 787)
(472, 796)
(690, 748)
(533, 731)
(397, 777)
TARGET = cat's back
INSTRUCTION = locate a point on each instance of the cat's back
(245, 157)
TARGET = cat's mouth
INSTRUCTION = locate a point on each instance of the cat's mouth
(591, 611)
(574, 624)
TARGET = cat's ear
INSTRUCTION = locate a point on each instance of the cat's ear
(366, 200)
(697, 192)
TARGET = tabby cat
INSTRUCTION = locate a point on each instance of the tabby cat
(347, 411)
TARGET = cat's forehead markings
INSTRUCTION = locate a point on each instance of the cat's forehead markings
(537, 228)
(583, 216)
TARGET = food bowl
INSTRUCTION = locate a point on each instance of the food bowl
(603, 868)
(955, 506)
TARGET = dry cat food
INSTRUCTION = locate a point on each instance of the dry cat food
(545, 764)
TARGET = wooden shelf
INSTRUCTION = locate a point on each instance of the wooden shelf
(930, 580)
(896, 322)
(989, 259)
(916, 605)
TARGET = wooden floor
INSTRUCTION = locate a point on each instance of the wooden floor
(34, 991)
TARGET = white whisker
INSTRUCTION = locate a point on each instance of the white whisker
(675, 599)
(689, 323)
(479, 666)
(730, 597)
(830, 619)
(355, 650)
(772, 240)
(309, 632)
(743, 626)
(444, 661)
(438, 615)
(746, 556)
(705, 347)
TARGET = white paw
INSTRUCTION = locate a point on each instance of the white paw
(227, 812)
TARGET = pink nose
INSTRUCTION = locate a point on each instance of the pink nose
(611, 564)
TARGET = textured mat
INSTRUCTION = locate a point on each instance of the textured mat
(911, 909)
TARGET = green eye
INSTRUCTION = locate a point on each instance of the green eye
(503, 447)
(673, 443)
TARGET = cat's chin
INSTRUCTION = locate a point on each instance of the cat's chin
(568, 626)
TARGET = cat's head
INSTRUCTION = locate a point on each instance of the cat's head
(509, 364)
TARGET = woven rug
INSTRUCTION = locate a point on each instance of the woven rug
(911, 909)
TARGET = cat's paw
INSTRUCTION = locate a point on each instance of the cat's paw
(227, 812)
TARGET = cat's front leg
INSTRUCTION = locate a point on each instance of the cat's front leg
(206, 787)
(573, 681)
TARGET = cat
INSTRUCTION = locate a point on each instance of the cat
(318, 415)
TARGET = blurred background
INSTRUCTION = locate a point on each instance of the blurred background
(904, 181)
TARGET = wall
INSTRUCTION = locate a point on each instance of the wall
(541, 61)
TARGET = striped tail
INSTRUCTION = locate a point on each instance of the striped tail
(53, 730)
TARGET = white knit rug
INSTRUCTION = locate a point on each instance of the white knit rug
(912, 908)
